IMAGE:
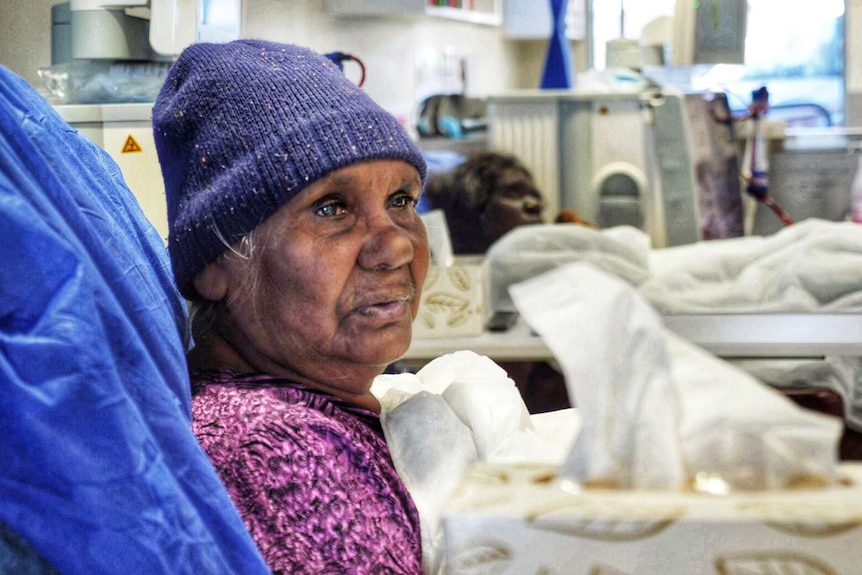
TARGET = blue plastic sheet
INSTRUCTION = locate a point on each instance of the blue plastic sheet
(99, 470)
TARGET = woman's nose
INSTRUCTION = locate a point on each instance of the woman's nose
(387, 245)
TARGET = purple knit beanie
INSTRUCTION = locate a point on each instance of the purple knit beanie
(242, 127)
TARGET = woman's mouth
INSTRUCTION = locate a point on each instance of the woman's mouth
(394, 309)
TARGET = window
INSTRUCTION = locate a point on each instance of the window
(793, 47)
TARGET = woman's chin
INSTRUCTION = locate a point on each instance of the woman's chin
(383, 347)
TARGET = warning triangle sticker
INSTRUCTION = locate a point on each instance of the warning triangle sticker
(131, 145)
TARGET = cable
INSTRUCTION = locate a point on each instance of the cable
(339, 58)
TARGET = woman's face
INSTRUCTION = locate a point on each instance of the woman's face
(335, 283)
(515, 202)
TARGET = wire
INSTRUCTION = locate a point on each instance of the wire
(782, 215)
(339, 58)
(361, 68)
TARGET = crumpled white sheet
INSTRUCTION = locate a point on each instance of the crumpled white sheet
(527, 251)
(611, 348)
(459, 409)
(658, 412)
(813, 265)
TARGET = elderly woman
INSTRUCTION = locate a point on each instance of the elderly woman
(293, 229)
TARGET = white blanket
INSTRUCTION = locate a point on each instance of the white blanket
(811, 266)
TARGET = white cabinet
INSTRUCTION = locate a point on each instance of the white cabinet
(489, 12)
(531, 19)
(125, 131)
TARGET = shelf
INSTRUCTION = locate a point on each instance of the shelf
(531, 20)
(489, 18)
(484, 12)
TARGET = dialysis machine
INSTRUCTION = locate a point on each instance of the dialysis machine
(659, 160)
(120, 38)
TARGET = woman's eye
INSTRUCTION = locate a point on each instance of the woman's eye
(404, 201)
(330, 209)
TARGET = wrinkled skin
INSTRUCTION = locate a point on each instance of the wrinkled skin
(331, 290)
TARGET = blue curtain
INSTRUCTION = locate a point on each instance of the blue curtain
(99, 470)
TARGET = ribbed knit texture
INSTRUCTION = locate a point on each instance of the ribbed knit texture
(242, 127)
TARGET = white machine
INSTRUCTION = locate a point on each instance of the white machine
(132, 32)
(149, 29)
(709, 32)
(658, 160)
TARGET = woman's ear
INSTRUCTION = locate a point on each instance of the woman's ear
(211, 282)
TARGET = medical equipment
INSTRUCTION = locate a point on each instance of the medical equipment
(149, 29)
(660, 160)
(856, 194)
(126, 37)
(709, 32)
(119, 50)
(339, 58)
(810, 175)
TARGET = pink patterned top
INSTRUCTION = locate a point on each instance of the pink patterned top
(310, 474)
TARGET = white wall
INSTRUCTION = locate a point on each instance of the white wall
(25, 44)
(386, 45)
